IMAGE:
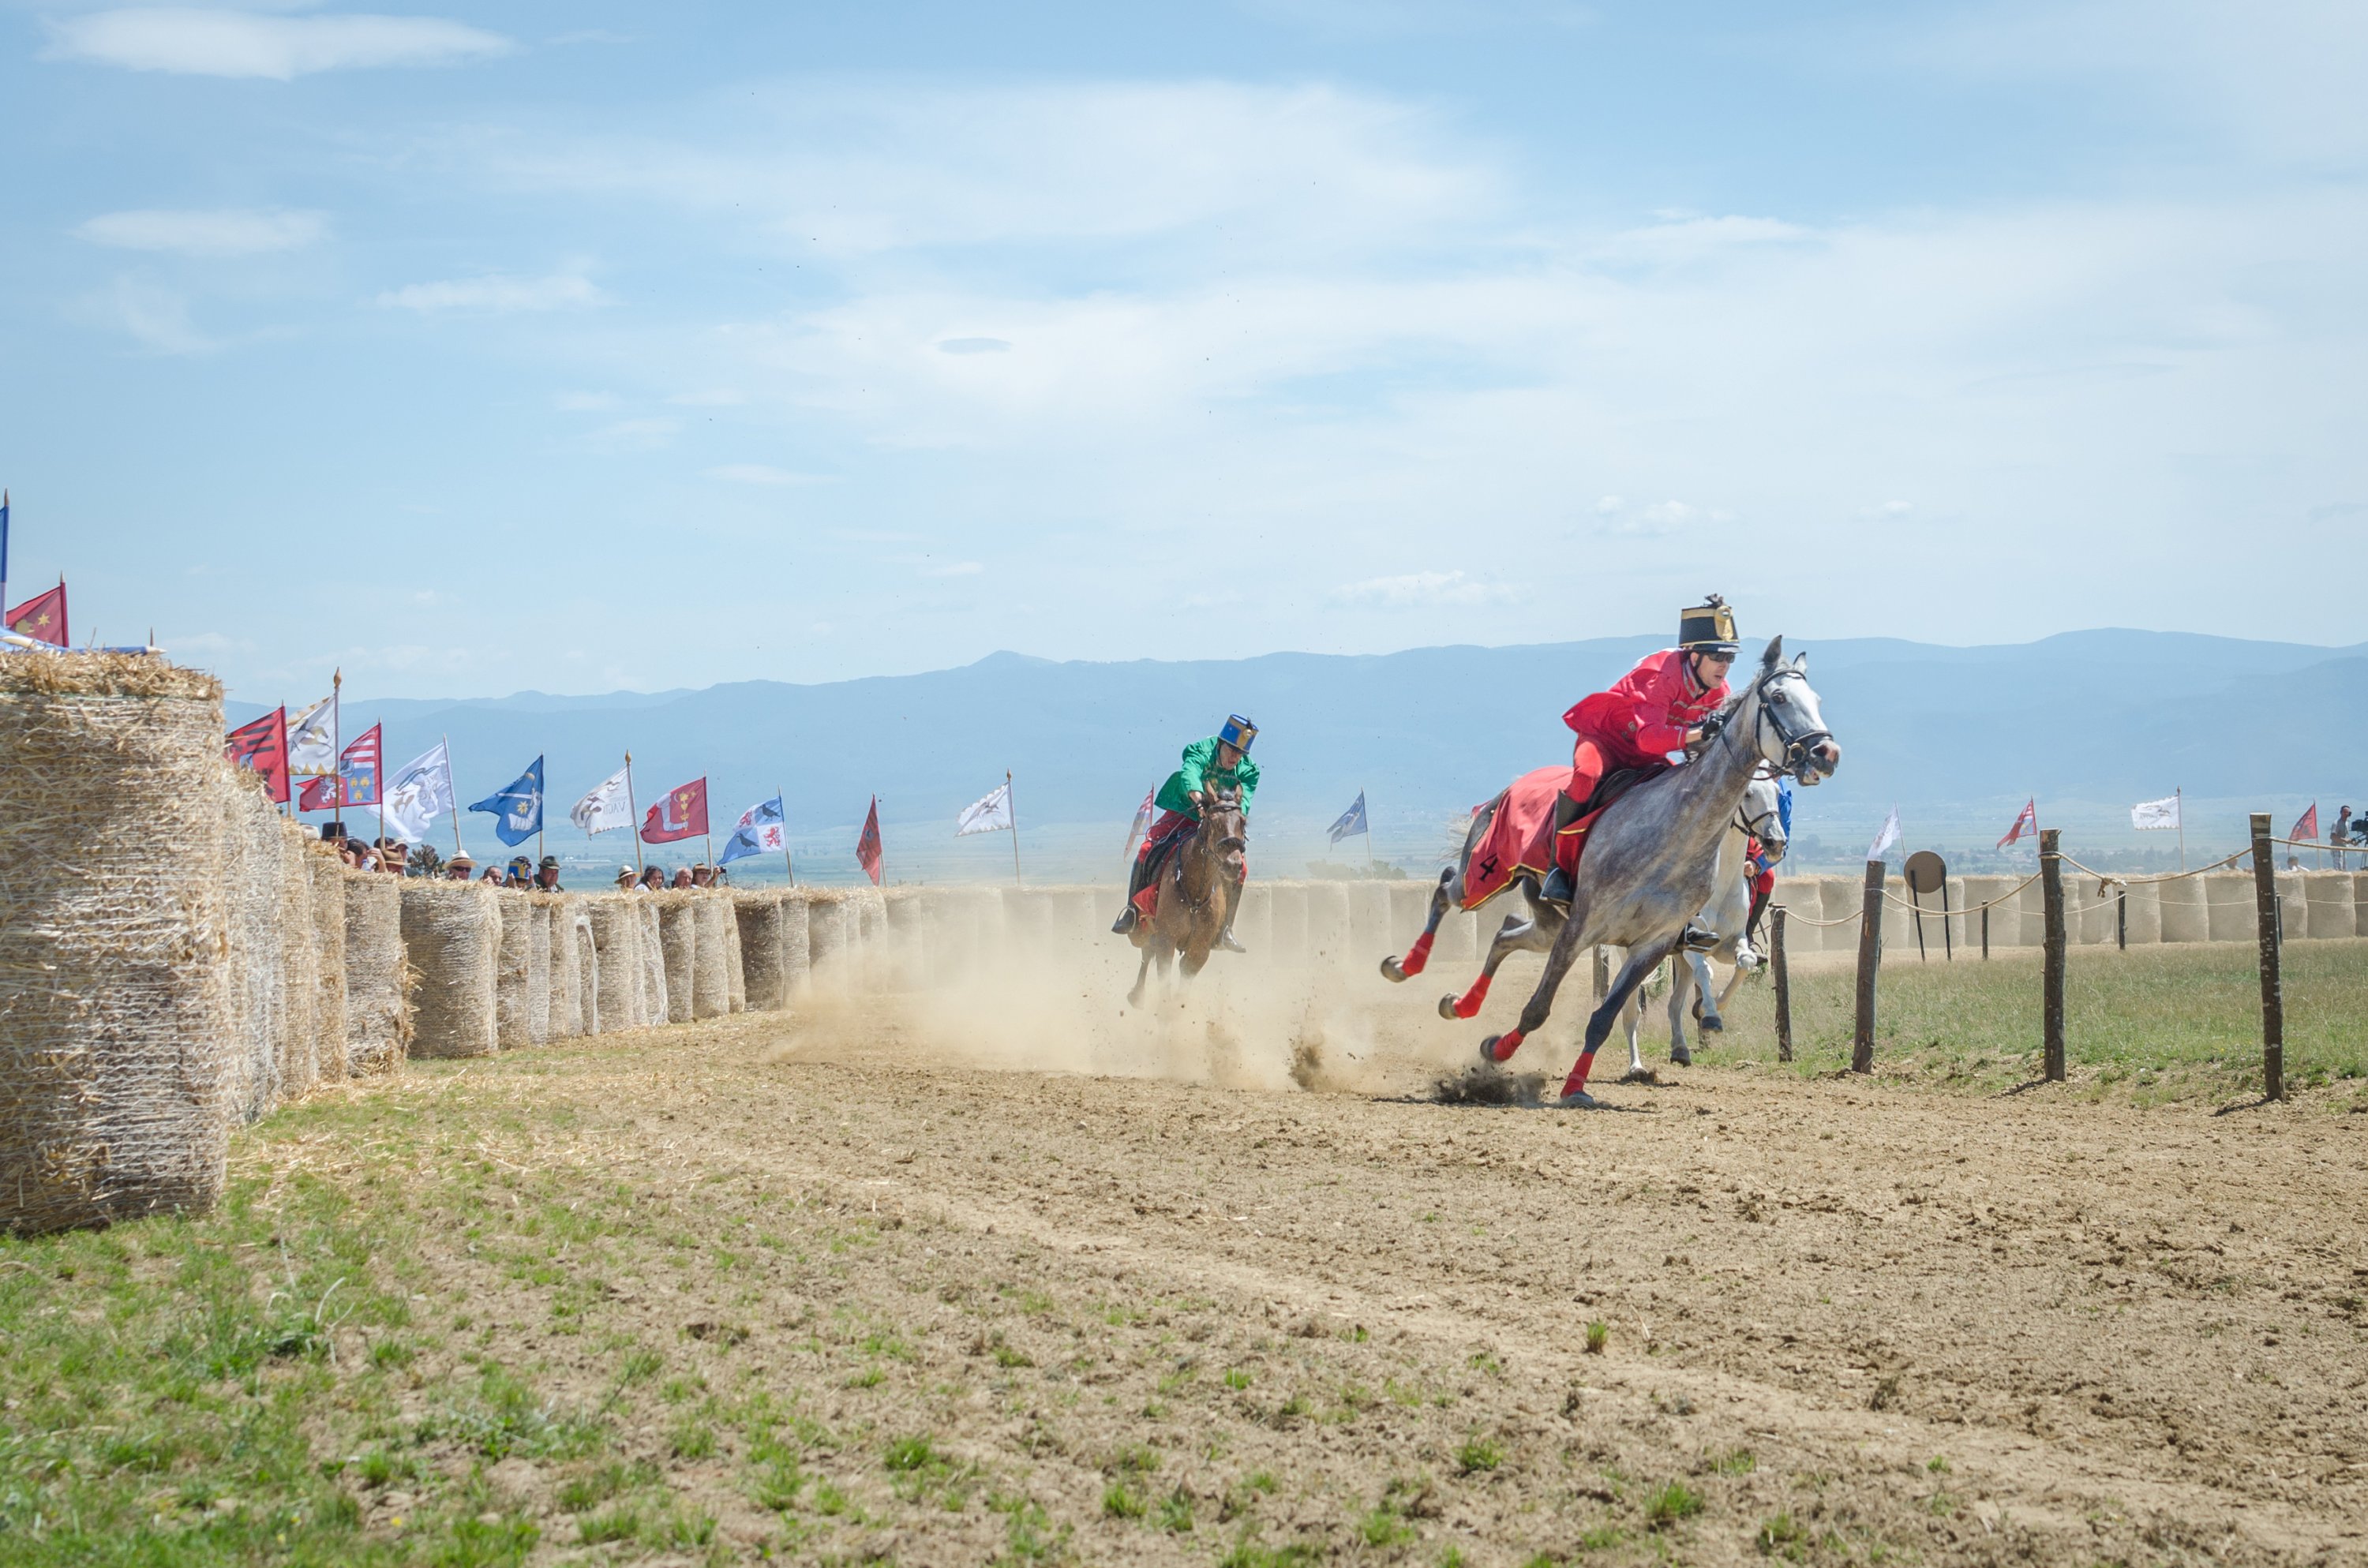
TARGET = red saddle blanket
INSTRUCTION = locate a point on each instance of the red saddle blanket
(1520, 835)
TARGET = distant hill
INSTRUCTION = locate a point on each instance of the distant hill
(1956, 737)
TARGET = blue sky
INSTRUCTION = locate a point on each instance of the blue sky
(476, 348)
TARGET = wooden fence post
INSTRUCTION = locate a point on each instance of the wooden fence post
(2051, 1007)
(1602, 974)
(1985, 932)
(2121, 919)
(2274, 1004)
(1783, 984)
(1870, 954)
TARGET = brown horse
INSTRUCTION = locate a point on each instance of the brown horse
(1197, 889)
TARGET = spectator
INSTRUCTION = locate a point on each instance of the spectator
(494, 874)
(723, 875)
(682, 878)
(393, 855)
(2341, 835)
(702, 875)
(546, 877)
(460, 868)
(652, 880)
(624, 879)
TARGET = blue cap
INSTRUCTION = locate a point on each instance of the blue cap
(1238, 732)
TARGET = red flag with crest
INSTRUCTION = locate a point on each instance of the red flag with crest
(2308, 828)
(2026, 822)
(356, 783)
(262, 744)
(42, 618)
(681, 813)
(867, 848)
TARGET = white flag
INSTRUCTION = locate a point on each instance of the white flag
(2148, 814)
(606, 808)
(313, 740)
(1887, 838)
(992, 814)
(418, 793)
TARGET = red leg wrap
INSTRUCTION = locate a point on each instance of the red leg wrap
(1418, 956)
(1507, 1043)
(1467, 1005)
(1576, 1082)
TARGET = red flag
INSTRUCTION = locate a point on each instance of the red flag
(1142, 824)
(355, 783)
(42, 618)
(681, 813)
(317, 795)
(2308, 828)
(262, 744)
(2027, 821)
(867, 848)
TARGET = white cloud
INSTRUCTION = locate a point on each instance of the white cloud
(242, 44)
(760, 473)
(1662, 519)
(154, 315)
(495, 294)
(218, 232)
(1418, 588)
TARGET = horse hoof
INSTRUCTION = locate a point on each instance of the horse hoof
(1391, 971)
(1681, 1056)
(1447, 1009)
(1713, 1025)
(1577, 1099)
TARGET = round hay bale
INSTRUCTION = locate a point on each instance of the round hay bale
(378, 982)
(2360, 903)
(296, 1030)
(1369, 921)
(1459, 938)
(1842, 899)
(797, 952)
(2146, 914)
(1327, 922)
(1409, 908)
(759, 915)
(585, 967)
(2230, 906)
(1288, 922)
(710, 915)
(615, 921)
(115, 1085)
(826, 940)
(564, 999)
(735, 962)
(452, 939)
(1253, 920)
(326, 878)
(2183, 914)
(2328, 894)
(513, 971)
(678, 947)
(257, 979)
(538, 968)
(654, 967)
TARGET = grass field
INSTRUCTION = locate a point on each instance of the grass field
(2181, 1022)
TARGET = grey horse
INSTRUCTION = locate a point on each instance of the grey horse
(1726, 913)
(1652, 858)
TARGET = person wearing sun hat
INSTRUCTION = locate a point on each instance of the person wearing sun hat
(1219, 761)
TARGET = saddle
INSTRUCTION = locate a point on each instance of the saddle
(1570, 841)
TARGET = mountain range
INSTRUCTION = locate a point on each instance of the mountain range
(1956, 738)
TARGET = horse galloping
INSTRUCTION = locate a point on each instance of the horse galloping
(1726, 913)
(1197, 889)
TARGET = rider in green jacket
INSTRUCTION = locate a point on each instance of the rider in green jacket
(1221, 761)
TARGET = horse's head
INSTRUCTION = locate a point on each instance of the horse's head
(1789, 728)
(1223, 828)
(1761, 814)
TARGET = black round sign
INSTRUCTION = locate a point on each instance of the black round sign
(1925, 871)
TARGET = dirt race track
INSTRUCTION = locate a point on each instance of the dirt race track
(1846, 1322)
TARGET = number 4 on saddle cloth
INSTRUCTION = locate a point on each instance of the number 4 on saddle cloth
(1521, 839)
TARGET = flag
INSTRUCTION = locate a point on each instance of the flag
(609, 807)
(1351, 821)
(763, 830)
(990, 814)
(516, 807)
(867, 848)
(1143, 815)
(262, 744)
(2307, 826)
(2027, 821)
(1784, 806)
(2148, 815)
(418, 792)
(1888, 839)
(42, 618)
(313, 740)
(358, 770)
(681, 815)
(317, 795)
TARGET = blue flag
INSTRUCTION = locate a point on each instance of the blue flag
(517, 806)
(1784, 805)
(1351, 821)
(763, 830)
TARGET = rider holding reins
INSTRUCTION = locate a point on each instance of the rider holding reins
(1219, 761)
(1666, 704)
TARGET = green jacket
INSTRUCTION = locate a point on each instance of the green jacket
(1198, 772)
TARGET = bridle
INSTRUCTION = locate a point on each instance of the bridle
(1798, 743)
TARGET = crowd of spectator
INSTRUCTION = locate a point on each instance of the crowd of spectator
(397, 858)
(654, 879)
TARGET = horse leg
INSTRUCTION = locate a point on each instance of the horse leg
(1709, 1006)
(1726, 992)
(1141, 972)
(1632, 1015)
(1450, 887)
(1500, 1048)
(1506, 942)
(1681, 991)
(1641, 963)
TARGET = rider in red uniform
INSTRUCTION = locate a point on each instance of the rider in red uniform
(1657, 708)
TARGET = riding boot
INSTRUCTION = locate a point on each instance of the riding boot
(1697, 938)
(1225, 938)
(1124, 924)
(1557, 888)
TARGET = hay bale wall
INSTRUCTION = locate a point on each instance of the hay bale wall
(378, 982)
(2184, 915)
(709, 916)
(250, 840)
(297, 1036)
(615, 921)
(678, 945)
(114, 1081)
(2328, 895)
(797, 953)
(2228, 905)
(452, 937)
(538, 967)
(586, 968)
(326, 878)
(735, 962)
(758, 916)
(826, 939)
(512, 970)
(655, 1001)
(566, 997)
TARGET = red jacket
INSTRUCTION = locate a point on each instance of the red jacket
(1646, 715)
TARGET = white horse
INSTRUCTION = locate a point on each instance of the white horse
(1727, 913)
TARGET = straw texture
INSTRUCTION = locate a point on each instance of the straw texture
(653, 966)
(616, 923)
(114, 1092)
(759, 917)
(678, 941)
(538, 967)
(514, 971)
(452, 935)
(326, 878)
(710, 963)
(797, 955)
(735, 962)
(378, 976)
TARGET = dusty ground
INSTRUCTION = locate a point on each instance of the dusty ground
(1155, 1319)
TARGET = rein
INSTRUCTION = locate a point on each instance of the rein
(1795, 759)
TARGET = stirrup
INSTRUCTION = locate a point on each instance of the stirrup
(1124, 924)
(1697, 938)
(1557, 887)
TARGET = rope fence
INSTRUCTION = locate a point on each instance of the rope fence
(2268, 915)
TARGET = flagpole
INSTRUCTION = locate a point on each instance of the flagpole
(458, 847)
(3, 564)
(1368, 828)
(634, 811)
(1011, 805)
(336, 748)
(786, 865)
(2180, 795)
